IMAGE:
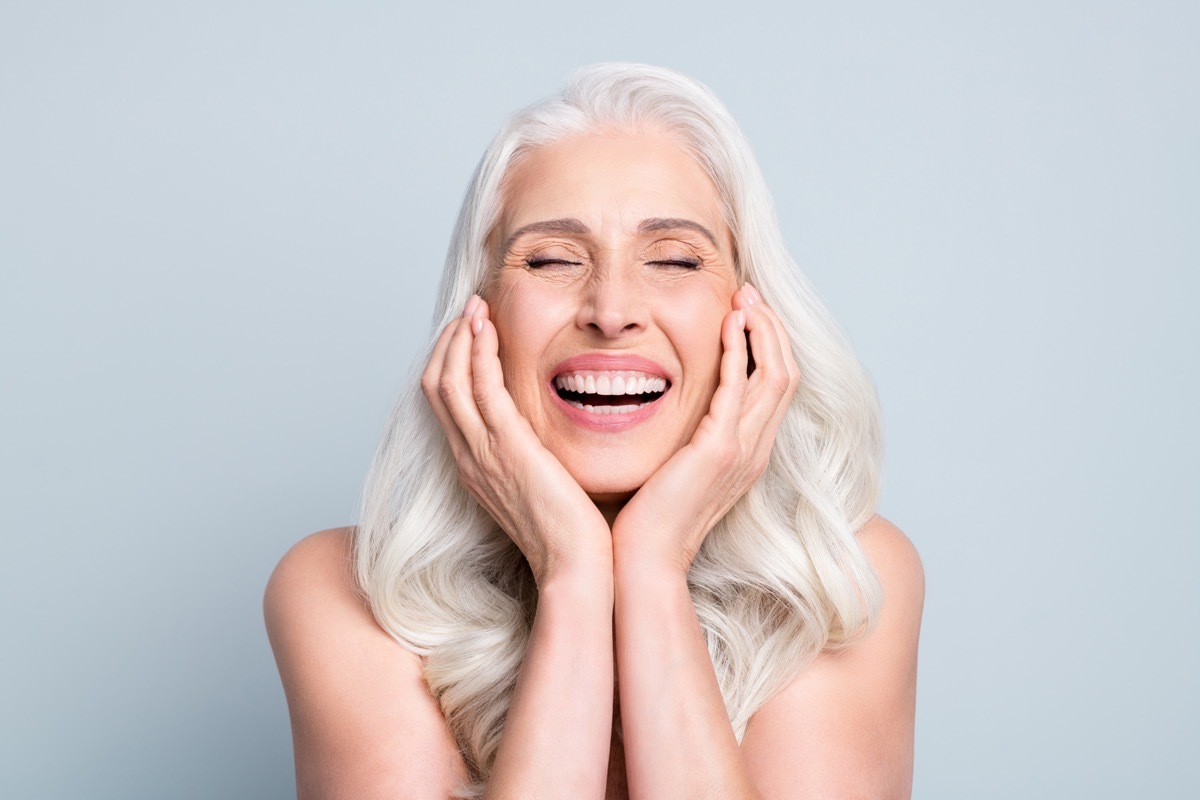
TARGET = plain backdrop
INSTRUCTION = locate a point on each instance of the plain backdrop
(221, 228)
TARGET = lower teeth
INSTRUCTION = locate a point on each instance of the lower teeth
(623, 409)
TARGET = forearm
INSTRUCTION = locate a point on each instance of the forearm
(678, 740)
(557, 733)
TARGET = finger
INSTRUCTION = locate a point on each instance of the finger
(491, 397)
(437, 357)
(726, 405)
(770, 384)
(455, 383)
(430, 382)
(767, 432)
(789, 357)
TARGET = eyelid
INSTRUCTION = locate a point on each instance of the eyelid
(536, 261)
(689, 263)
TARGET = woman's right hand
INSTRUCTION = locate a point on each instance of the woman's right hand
(500, 459)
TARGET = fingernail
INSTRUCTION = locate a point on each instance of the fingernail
(752, 294)
(477, 325)
(741, 318)
(474, 301)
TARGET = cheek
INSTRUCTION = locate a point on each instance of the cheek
(695, 329)
(526, 323)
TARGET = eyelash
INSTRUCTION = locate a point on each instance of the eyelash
(537, 263)
(678, 262)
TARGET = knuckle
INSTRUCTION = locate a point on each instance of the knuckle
(481, 396)
(446, 388)
(429, 387)
(725, 454)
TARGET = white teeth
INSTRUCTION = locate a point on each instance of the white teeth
(613, 385)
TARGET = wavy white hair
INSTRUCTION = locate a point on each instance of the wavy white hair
(778, 580)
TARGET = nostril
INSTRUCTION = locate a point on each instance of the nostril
(611, 311)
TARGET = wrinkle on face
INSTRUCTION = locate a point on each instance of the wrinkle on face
(611, 243)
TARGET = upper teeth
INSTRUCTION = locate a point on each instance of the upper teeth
(610, 384)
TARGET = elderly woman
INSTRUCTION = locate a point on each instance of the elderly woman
(622, 541)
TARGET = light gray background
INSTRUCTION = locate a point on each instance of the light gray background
(221, 226)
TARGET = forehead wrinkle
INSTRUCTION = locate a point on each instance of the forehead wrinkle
(566, 225)
(659, 224)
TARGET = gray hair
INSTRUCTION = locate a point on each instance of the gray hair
(779, 579)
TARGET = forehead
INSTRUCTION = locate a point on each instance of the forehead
(610, 180)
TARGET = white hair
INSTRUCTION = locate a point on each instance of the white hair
(777, 581)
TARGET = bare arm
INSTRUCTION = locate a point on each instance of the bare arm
(844, 727)
(363, 721)
(557, 731)
(557, 734)
(364, 726)
(678, 740)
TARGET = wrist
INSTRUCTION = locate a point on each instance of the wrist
(587, 569)
(653, 554)
(662, 544)
(644, 568)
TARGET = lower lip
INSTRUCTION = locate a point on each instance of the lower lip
(608, 423)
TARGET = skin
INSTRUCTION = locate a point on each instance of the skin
(625, 284)
(609, 520)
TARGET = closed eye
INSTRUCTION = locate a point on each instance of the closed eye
(676, 262)
(537, 263)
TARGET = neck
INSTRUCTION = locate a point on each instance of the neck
(610, 505)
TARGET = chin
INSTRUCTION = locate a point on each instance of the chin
(609, 490)
(608, 486)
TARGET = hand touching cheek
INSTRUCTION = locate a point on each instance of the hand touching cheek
(667, 520)
(500, 460)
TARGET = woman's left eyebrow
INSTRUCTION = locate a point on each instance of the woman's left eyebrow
(659, 224)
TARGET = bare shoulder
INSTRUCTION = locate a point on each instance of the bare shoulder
(844, 726)
(363, 722)
(315, 570)
(312, 600)
(897, 565)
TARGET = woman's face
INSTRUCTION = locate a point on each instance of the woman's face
(615, 272)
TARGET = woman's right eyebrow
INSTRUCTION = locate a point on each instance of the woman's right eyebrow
(566, 225)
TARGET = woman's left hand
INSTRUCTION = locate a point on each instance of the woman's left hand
(668, 518)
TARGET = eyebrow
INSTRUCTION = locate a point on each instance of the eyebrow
(568, 225)
(658, 224)
(573, 226)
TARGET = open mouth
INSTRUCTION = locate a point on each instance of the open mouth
(610, 392)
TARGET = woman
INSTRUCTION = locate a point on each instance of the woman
(624, 544)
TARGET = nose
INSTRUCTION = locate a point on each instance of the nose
(612, 304)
